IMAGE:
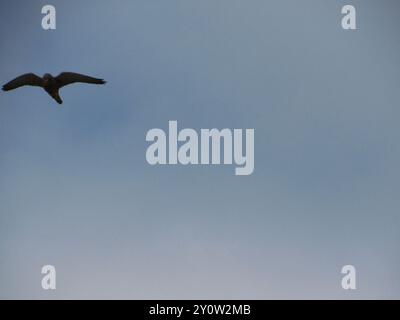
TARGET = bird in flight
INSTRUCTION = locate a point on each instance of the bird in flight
(49, 83)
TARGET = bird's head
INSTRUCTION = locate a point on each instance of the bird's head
(47, 77)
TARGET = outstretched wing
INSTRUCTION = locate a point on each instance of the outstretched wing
(28, 79)
(66, 78)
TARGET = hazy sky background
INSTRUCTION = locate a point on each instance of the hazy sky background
(76, 191)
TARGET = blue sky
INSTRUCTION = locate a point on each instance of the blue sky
(76, 191)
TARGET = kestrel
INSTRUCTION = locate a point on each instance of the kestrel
(49, 83)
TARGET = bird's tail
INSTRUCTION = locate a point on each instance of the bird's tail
(56, 96)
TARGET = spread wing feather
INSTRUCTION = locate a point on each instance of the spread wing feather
(66, 78)
(28, 79)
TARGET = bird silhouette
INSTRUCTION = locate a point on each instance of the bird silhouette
(49, 83)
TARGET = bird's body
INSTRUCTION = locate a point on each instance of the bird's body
(51, 87)
(50, 84)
